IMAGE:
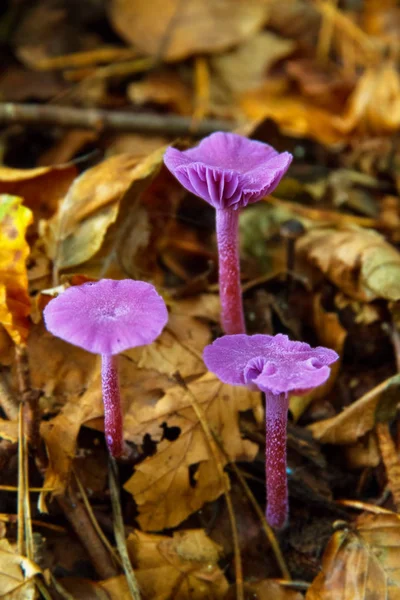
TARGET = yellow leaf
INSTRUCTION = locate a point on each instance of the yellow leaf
(14, 298)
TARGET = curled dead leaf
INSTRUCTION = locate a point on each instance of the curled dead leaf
(359, 261)
(361, 562)
(91, 205)
(379, 404)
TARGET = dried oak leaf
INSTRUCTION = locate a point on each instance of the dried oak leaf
(379, 404)
(15, 304)
(182, 475)
(175, 29)
(180, 567)
(361, 562)
(16, 574)
(91, 205)
(358, 261)
(41, 188)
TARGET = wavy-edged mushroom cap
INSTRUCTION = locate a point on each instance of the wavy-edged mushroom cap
(272, 363)
(228, 170)
(107, 316)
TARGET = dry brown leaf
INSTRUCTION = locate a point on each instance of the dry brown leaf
(16, 574)
(360, 417)
(173, 29)
(364, 453)
(180, 567)
(179, 348)
(361, 562)
(15, 305)
(246, 66)
(296, 116)
(374, 106)
(41, 188)
(165, 89)
(390, 459)
(91, 205)
(162, 486)
(359, 261)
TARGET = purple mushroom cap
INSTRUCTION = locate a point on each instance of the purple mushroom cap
(108, 316)
(272, 363)
(228, 170)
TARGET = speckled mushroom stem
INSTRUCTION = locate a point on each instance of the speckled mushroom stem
(113, 425)
(276, 412)
(227, 225)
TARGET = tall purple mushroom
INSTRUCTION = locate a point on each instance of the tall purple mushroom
(108, 317)
(276, 366)
(229, 172)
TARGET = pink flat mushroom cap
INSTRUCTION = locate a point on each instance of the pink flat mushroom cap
(272, 363)
(107, 316)
(228, 170)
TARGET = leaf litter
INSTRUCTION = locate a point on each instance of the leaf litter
(318, 79)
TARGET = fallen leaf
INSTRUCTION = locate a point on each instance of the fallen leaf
(379, 404)
(166, 89)
(390, 460)
(183, 566)
(41, 188)
(91, 205)
(296, 116)
(164, 490)
(16, 574)
(175, 29)
(179, 348)
(246, 66)
(361, 562)
(374, 106)
(358, 261)
(15, 304)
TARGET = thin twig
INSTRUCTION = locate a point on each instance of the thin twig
(84, 529)
(92, 517)
(119, 530)
(224, 480)
(101, 120)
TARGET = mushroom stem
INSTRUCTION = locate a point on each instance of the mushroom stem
(113, 427)
(276, 412)
(227, 226)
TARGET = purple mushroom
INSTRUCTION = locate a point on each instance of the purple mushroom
(229, 172)
(276, 366)
(108, 317)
